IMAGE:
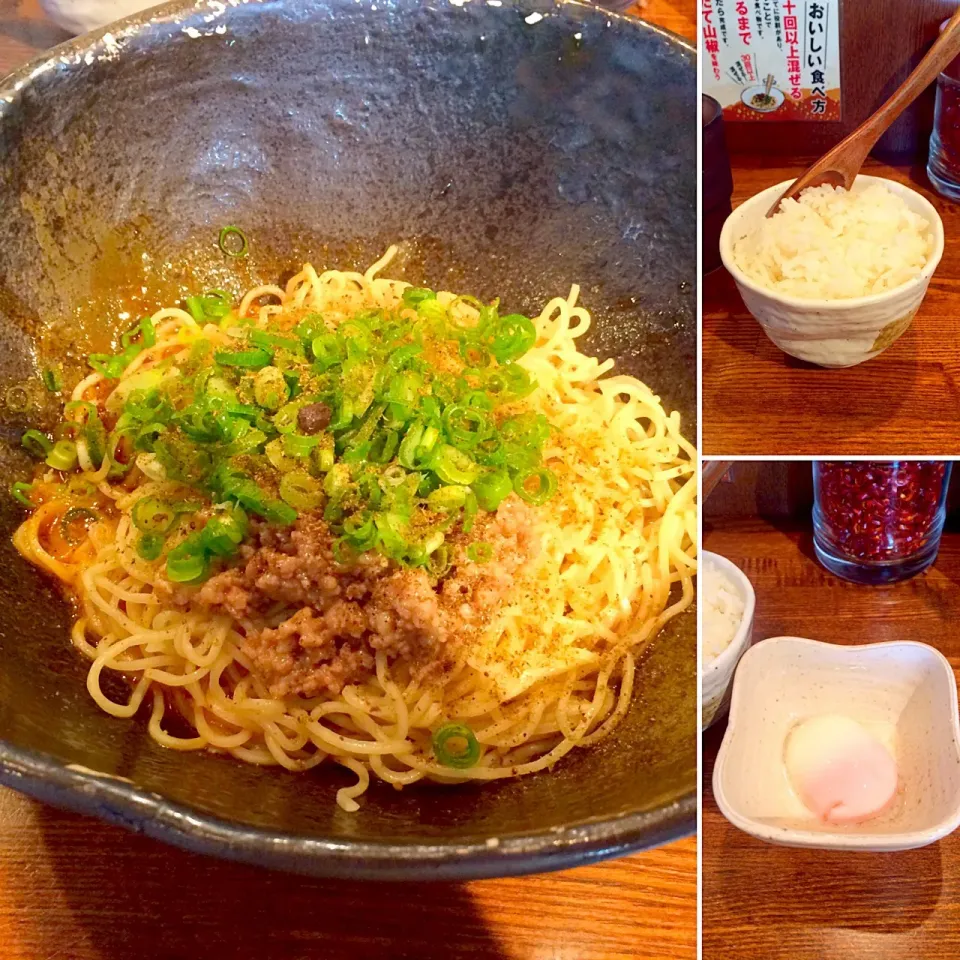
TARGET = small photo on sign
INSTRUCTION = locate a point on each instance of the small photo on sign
(772, 59)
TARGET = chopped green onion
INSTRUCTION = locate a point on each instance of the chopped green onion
(149, 546)
(86, 410)
(211, 306)
(252, 359)
(195, 307)
(270, 389)
(454, 466)
(447, 499)
(477, 398)
(413, 296)
(479, 552)
(187, 561)
(276, 511)
(360, 531)
(546, 485)
(153, 515)
(490, 451)
(17, 398)
(21, 491)
(71, 518)
(470, 509)
(301, 490)
(37, 444)
(515, 335)
(111, 367)
(229, 246)
(476, 355)
(297, 445)
(439, 561)
(455, 745)
(491, 489)
(384, 446)
(52, 380)
(323, 454)
(276, 341)
(285, 419)
(310, 327)
(224, 532)
(63, 456)
(95, 437)
(328, 349)
(466, 426)
(410, 455)
(145, 331)
(278, 457)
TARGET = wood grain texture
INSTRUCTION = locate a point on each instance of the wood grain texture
(679, 16)
(757, 400)
(76, 889)
(762, 902)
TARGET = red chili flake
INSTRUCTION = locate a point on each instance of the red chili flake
(880, 511)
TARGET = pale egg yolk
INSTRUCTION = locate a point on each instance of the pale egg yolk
(842, 773)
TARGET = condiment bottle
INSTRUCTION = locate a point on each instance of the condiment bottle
(943, 166)
(878, 522)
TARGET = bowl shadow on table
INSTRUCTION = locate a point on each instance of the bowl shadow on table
(817, 889)
(134, 896)
(835, 391)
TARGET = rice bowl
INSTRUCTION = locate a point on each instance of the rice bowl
(737, 607)
(838, 332)
(834, 244)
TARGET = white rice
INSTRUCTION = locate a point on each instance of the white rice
(722, 611)
(831, 244)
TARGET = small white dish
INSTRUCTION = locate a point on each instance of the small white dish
(831, 333)
(903, 692)
(718, 674)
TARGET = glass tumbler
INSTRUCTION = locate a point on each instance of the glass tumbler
(878, 522)
(943, 166)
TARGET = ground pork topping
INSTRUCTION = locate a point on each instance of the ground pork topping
(344, 615)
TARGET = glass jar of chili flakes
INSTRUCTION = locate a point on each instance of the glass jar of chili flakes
(878, 522)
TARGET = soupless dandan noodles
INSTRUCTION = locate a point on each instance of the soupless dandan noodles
(353, 520)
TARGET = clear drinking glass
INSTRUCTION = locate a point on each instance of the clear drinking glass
(879, 522)
(943, 167)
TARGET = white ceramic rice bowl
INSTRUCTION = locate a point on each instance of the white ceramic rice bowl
(831, 333)
(717, 677)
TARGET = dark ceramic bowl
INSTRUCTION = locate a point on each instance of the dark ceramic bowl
(511, 149)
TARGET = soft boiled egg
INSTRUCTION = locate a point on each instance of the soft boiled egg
(841, 772)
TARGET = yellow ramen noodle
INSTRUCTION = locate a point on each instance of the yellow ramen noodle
(552, 669)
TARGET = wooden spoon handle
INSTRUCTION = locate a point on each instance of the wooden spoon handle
(939, 56)
(840, 166)
(712, 472)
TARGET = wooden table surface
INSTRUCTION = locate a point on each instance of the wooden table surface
(78, 889)
(757, 400)
(763, 902)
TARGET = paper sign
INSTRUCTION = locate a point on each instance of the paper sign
(772, 59)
